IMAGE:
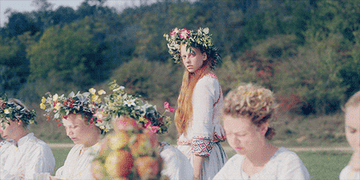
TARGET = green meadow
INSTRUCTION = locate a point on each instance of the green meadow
(322, 165)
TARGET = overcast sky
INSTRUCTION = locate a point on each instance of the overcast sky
(26, 5)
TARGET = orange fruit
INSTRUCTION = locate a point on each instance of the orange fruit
(118, 140)
(119, 163)
(147, 166)
(124, 123)
(97, 169)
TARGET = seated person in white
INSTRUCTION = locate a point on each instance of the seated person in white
(352, 131)
(3, 147)
(81, 127)
(27, 155)
(247, 113)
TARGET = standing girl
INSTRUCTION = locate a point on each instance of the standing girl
(200, 101)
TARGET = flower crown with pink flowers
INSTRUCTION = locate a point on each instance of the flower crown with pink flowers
(200, 38)
(87, 104)
(119, 103)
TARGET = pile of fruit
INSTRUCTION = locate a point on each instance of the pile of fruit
(129, 152)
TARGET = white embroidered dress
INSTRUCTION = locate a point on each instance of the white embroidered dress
(205, 131)
(283, 165)
(176, 165)
(78, 163)
(348, 174)
(30, 157)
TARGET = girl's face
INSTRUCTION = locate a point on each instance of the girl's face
(79, 131)
(352, 127)
(242, 135)
(11, 131)
(192, 58)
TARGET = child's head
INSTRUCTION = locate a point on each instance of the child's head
(15, 117)
(256, 103)
(190, 42)
(80, 131)
(193, 58)
(352, 121)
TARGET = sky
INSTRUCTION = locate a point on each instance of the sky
(27, 6)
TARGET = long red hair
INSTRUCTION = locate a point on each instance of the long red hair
(183, 114)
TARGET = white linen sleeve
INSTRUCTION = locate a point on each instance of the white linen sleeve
(204, 97)
(293, 168)
(41, 161)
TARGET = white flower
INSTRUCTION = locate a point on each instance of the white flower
(130, 102)
(119, 88)
(206, 30)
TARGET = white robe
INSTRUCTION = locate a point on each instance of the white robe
(283, 165)
(348, 174)
(30, 157)
(204, 134)
(4, 145)
(78, 163)
(176, 164)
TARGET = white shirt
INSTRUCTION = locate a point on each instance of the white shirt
(348, 174)
(78, 163)
(284, 165)
(176, 164)
(4, 145)
(30, 157)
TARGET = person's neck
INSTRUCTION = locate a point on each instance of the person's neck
(355, 161)
(93, 141)
(262, 155)
(21, 134)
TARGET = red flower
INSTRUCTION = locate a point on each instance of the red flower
(184, 33)
(168, 108)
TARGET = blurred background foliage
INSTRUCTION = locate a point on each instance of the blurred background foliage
(306, 51)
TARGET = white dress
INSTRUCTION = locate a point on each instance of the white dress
(283, 165)
(348, 174)
(205, 131)
(78, 163)
(176, 165)
(30, 157)
(4, 145)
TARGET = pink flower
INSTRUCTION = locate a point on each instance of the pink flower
(174, 31)
(168, 108)
(125, 123)
(99, 116)
(152, 128)
(184, 33)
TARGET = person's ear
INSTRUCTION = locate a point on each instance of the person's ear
(263, 128)
(204, 56)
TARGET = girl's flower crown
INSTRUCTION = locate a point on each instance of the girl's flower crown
(200, 38)
(15, 110)
(119, 103)
(87, 104)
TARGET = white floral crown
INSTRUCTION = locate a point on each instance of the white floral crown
(200, 38)
(119, 103)
(12, 110)
(87, 104)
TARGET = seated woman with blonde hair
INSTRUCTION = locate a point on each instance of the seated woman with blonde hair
(25, 156)
(247, 113)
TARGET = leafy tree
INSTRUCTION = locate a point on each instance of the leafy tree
(69, 54)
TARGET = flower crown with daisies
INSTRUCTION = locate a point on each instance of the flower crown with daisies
(87, 104)
(119, 103)
(200, 38)
(15, 110)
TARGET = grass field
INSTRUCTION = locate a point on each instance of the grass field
(322, 165)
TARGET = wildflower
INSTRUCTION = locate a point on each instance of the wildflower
(55, 97)
(92, 90)
(130, 102)
(6, 111)
(184, 33)
(43, 100)
(101, 92)
(42, 106)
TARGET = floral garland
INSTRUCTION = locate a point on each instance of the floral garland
(200, 38)
(87, 104)
(119, 103)
(11, 110)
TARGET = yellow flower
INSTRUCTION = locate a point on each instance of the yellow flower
(101, 92)
(55, 97)
(42, 106)
(96, 99)
(57, 107)
(6, 111)
(92, 90)
(43, 100)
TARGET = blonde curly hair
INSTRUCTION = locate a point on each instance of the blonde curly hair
(252, 101)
